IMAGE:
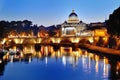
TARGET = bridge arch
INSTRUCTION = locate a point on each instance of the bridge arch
(84, 41)
(46, 40)
(65, 40)
(29, 41)
(10, 42)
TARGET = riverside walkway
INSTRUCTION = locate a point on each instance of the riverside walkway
(100, 49)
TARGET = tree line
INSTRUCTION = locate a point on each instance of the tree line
(6, 26)
(24, 26)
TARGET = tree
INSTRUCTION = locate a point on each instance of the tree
(3, 28)
(27, 23)
(114, 22)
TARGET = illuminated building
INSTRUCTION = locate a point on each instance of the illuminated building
(42, 33)
(100, 32)
(73, 26)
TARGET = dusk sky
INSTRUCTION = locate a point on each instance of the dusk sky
(52, 12)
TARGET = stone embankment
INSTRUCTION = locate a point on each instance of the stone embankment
(100, 49)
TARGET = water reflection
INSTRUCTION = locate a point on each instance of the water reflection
(88, 63)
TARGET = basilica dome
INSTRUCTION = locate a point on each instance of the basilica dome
(73, 18)
(73, 14)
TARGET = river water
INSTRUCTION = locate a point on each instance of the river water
(65, 63)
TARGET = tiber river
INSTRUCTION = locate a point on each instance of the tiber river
(64, 63)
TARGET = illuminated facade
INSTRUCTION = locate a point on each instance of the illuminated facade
(73, 26)
(100, 32)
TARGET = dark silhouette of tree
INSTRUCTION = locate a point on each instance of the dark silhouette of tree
(35, 28)
(1, 30)
(4, 25)
(27, 23)
(13, 24)
(114, 22)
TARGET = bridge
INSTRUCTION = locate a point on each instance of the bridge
(26, 43)
(39, 40)
(14, 40)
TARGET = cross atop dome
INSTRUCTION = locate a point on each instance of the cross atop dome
(73, 11)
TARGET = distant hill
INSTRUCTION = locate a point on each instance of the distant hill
(113, 24)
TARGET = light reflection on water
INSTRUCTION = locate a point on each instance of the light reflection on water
(64, 63)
